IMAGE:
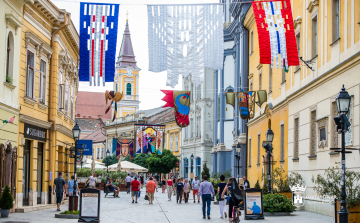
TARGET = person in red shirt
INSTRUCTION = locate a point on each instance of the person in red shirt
(150, 189)
(135, 188)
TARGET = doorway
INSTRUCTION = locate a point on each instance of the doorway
(39, 179)
(26, 173)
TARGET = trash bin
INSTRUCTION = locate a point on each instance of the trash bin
(73, 203)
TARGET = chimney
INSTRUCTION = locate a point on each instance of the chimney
(84, 116)
(99, 116)
(78, 115)
(89, 116)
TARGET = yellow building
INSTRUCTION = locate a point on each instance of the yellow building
(48, 84)
(173, 139)
(274, 81)
(127, 77)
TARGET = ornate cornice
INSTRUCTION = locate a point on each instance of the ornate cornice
(35, 121)
(64, 130)
(10, 18)
(297, 22)
(312, 5)
(249, 19)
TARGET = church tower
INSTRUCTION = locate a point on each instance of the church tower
(127, 76)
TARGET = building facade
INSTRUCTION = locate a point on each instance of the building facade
(48, 83)
(127, 77)
(9, 77)
(197, 138)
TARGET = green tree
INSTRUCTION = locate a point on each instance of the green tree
(257, 185)
(112, 160)
(127, 158)
(141, 158)
(205, 171)
(162, 163)
(83, 172)
(6, 200)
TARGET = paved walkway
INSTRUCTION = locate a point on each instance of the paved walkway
(162, 211)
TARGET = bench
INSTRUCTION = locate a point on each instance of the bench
(107, 191)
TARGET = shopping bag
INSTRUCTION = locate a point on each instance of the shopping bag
(146, 197)
(139, 194)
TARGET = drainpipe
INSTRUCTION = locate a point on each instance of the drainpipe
(66, 23)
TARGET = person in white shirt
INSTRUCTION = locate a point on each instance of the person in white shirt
(92, 180)
(128, 181)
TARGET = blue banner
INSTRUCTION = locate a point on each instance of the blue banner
(86, 145)
(114, 147)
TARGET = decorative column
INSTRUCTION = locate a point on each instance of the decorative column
(222, 106)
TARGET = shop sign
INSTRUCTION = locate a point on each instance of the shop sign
(34, 132)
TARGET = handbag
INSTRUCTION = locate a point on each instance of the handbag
(146, 197)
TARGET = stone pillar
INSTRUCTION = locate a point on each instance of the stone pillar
(222, 107)
(216, 95)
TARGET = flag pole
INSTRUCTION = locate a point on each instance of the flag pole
(3, 125)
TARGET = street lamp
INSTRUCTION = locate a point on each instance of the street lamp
(107, 161)
(238, 156)
(343, 104)
(269, 139)
(192, 162)
(76, 134)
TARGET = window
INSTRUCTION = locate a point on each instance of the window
(251, 86)
(260, 80)
(334, 135)
(335, 20)
(198, 127)
(191, 128)
(102, 153)
(128, 89)
(314, 43)
(66, 96)
(298, 47)
(198, 91)
(72, 103)
(177, 142)
(313, 138)
(296, 138)
(250, 152)
(42, 81)
(171, 143)
(251, 42)
(322, 134)
(270, 78)
(61, 91)
(186, 169)
(30, 75)
(282, 142)
(198, 167)
(116, 87)
(258, 150)
(98, 153)
(186, 133)
(9, 58)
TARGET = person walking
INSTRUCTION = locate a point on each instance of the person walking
(195, 187)
(128, 181)
(59, 188)
(170, 187)
(150, 190)
(179, 191)
(157, 178)
(92, 180)
(72, 186)
(186, 190)
(135, 188)
(222, 201)
(141, 181)
(163, 185)
(206, 191)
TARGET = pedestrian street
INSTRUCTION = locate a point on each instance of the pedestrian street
(122, 210)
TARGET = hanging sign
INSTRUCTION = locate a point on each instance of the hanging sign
(86, 145)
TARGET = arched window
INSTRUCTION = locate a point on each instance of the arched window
(9, 57)
(128, 89)
(198, 167)
(186, 168)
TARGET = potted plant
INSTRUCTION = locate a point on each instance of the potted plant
(277, 205)
(6, 202)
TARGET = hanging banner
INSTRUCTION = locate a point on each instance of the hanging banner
(180, 101)
(246, 102)
(274, 22)
(185, 39)
(230, 98)
(124, 147)
(149, 138)
(98, 37)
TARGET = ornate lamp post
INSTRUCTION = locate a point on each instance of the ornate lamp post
(238, 156)
(107, 161)
(343, 106)
(76, 135)
(269, 138)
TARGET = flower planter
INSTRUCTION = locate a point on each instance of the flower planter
(277, 214)
(4, 213)
(68, 216)
(287, 194)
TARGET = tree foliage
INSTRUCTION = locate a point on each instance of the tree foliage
(83, 172)
(205, 171)
(162, 163)
(112, 160)
(257, 185)
(6, 200)
(277, 203)
(216, 175)
(141, 158)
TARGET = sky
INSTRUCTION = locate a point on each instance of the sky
(150, 82)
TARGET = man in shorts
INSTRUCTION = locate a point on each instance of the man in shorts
(135, 188)
(113, 188)
(195, 187)
(92, 180)
(150, 190)
(59, 184)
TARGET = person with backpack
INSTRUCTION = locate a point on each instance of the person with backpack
(71, 186)
(234, 192)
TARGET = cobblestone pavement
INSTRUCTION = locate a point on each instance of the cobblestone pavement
(122, 210)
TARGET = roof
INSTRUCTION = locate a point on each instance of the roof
(126, 56)
(91, 104)
(168, 116)
(153, 111)
(97, 136)
(90, 124)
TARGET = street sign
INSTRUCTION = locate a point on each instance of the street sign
(253, 204)
(89, 205)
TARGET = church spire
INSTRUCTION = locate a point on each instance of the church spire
(126, 55)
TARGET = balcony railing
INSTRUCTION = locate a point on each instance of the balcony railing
(129, 118)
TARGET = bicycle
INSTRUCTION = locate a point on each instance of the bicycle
(236, 214)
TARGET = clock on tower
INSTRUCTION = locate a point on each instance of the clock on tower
(129, 72)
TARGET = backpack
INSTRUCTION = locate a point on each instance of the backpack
(235, 192)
